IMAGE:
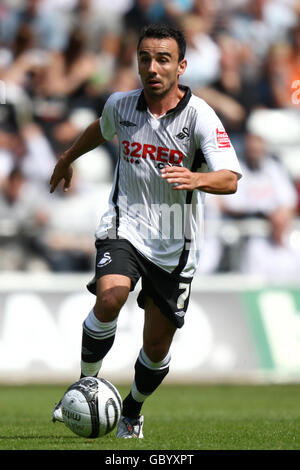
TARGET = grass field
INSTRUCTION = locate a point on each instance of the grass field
(198, 417)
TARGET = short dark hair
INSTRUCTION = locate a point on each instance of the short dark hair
(163, 31)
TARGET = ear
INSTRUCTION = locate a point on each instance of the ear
(182, 66)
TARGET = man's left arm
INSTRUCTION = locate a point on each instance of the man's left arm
(214, 182)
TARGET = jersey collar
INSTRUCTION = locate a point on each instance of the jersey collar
(142, 105)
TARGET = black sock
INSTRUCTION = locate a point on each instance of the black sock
(93, 350)
(131, 407)
(146, 381)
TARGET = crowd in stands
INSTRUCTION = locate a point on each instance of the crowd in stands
(61, 59)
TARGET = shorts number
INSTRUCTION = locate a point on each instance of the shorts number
(182, 298)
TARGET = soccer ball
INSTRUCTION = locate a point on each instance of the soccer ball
(91, 407)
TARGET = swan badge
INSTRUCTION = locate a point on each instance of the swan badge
(105, 260)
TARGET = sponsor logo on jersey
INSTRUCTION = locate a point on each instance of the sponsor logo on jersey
(135, 150)
(105, 260)
(184, 134)
(223, 140)
(132, 160)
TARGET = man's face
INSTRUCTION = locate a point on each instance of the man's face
(159, 66)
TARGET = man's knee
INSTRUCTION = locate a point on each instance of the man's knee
(156, 351)
(109, 303)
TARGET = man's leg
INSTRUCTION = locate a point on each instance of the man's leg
(152, 364)
(99, 327)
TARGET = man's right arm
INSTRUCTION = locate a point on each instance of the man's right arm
(87, 141)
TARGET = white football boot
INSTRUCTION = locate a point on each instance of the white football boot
(57, 410)
(130, 428)
(57, 413)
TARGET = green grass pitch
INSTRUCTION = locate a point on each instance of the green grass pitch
(192, 417)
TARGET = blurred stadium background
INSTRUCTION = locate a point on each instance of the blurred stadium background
(59, 61)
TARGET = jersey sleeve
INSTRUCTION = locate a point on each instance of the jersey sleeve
(214, 142)
(107, 119)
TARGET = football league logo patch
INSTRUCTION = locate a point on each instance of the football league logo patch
(223, 140)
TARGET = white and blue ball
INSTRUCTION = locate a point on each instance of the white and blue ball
(91, 407)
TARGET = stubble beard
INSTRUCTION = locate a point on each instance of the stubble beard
(161, 93)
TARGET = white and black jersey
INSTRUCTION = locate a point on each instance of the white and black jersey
(163, 225)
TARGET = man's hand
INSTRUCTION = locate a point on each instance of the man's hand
(214, 182)
(87, 141)
(180, 177)
(62, 171)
